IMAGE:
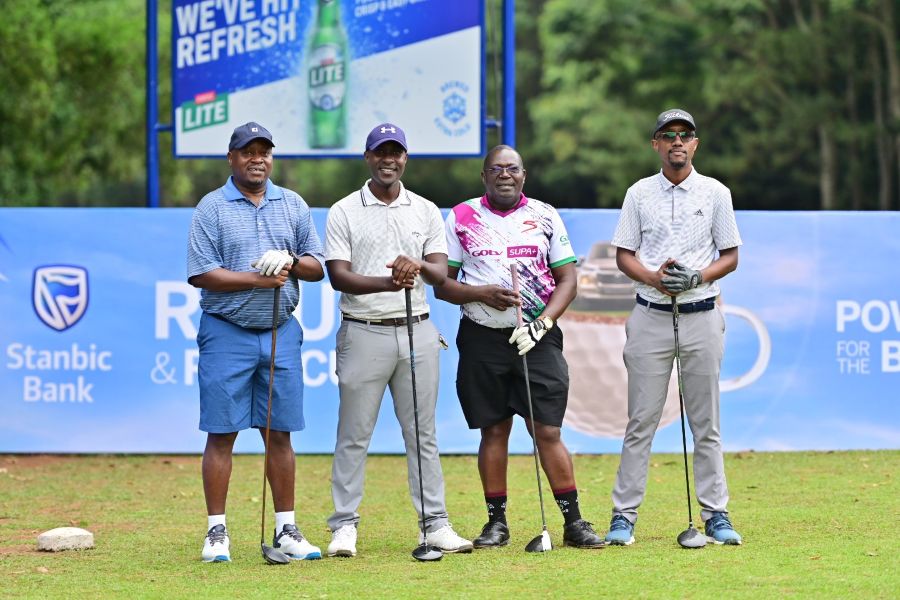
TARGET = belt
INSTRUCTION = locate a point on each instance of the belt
(687, 307)
(398, 322)
(224, 320)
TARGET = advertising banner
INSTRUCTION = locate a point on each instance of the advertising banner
(98, 328)
(319, 74)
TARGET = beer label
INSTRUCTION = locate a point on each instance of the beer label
(326, 77)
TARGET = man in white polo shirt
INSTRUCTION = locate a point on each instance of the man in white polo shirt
(381, 240)
(485, 236)
(682, 224)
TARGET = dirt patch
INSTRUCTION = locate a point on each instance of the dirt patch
(595, 317)
(34, 461)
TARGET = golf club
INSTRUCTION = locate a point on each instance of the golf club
(542, 542)
(272, 556)
(423, 551)
(690, 537)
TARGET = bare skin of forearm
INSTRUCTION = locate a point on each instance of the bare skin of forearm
(223, 280)
(562, 296)
(308, 269)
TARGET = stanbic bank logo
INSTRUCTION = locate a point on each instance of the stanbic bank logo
(60, 295)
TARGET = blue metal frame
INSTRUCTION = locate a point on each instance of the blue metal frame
(153, 127)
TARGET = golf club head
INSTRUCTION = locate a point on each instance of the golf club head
(426, 553)
(273, 556)
(691, 538)
(540, 544)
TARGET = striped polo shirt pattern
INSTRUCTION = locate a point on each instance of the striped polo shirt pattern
(689, 222)
(230, 232)
(368, 234)
(483, 242)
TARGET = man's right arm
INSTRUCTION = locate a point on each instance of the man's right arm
(454, 292)
(223, 280)
(628, 263)
(344, 280)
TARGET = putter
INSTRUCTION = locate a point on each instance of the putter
(690, 537)
(423, 551)
(542, 542)
(272, 556)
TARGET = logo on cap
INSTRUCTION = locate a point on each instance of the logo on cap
(386, 129)
(254, 129)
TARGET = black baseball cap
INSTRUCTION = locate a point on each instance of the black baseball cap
(386, 132)
(248, 132)
(671, 115)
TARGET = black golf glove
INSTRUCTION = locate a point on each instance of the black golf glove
(680, 278)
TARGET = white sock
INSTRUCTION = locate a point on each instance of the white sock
(213, 520)
(282, 519)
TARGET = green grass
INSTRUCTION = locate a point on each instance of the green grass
(814, 525)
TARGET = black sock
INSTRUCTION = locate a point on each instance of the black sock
(567, 501)
(496, 506)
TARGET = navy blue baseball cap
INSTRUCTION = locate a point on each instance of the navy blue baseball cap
(673, 114)
(386, 132)
(248, 132)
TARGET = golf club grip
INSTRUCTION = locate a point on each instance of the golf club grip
(514, 273)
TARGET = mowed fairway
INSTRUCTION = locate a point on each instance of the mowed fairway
(814, 525)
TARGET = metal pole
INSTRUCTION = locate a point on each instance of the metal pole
(509, 72)
(152, 155)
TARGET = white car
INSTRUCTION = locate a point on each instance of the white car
(601, 285)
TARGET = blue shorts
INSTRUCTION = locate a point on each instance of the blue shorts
(233, 372)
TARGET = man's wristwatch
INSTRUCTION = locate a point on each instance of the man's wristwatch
(547, 321)
(294, 260)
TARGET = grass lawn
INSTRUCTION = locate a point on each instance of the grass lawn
(814, 525)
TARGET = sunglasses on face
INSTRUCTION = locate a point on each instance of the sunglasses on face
(670, 136)
(497, 170)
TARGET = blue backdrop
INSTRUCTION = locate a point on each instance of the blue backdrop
(99, 353)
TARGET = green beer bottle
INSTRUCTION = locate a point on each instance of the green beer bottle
(327, 79)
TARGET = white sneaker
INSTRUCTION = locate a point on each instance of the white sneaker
(447, 540)
(343, 542)
(291, 542)
(216, 546)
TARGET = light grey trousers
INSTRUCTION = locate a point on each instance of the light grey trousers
(371, 358)
(649, 358)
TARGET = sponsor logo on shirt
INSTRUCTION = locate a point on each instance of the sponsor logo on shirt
(485, 252)
(529, 225)
(522, 252)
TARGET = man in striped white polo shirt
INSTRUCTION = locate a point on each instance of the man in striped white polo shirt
(380, 241)
(676, 237)
(247, 238)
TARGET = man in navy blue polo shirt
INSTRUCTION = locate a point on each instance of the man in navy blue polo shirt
(248, 238)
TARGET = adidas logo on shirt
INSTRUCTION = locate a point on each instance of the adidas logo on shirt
(699, 213)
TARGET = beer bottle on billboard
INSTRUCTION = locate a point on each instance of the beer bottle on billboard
(327, 79)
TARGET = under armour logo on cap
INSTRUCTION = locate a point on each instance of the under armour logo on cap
(386, 132)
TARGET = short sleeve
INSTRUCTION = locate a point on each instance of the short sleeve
(337, 235)
(628, 230)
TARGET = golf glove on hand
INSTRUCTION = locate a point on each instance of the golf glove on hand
(272, 262)
(526, 336)
(681, 279)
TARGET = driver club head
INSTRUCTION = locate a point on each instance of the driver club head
(540, 544)
(273, 556)
(691, 538)
(426, 553)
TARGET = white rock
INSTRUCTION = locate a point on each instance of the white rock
(65, 538)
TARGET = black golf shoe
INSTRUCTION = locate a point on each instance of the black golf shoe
(493, 535)
(580, 534)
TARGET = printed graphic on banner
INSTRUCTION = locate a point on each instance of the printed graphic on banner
(320, 73)
(60, 295)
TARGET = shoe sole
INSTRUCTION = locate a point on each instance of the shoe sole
(711, 540)
(342, 554)
(310, 556)
(618, 543)
(216, 559)
(463, 550)
(488, 546)
(602, 544)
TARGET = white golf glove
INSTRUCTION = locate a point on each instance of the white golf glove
(526, 336)
(272, 262)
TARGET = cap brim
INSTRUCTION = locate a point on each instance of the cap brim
(382, 141)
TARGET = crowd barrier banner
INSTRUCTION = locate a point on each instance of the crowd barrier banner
(99, 351)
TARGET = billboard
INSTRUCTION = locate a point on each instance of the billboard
(319, 74)
(98, 350)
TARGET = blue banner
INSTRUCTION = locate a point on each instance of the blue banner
(99, 325)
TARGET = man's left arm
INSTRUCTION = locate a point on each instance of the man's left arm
(308, 259)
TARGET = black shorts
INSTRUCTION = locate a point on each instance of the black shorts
(490, 381)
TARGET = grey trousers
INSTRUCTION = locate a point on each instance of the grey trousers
(371, 358)
(649, 358)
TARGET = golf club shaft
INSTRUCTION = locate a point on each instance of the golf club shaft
(687, 481)
(412, 373)
(514, 272)
(275, 310)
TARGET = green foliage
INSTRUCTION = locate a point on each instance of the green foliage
(787, 96)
